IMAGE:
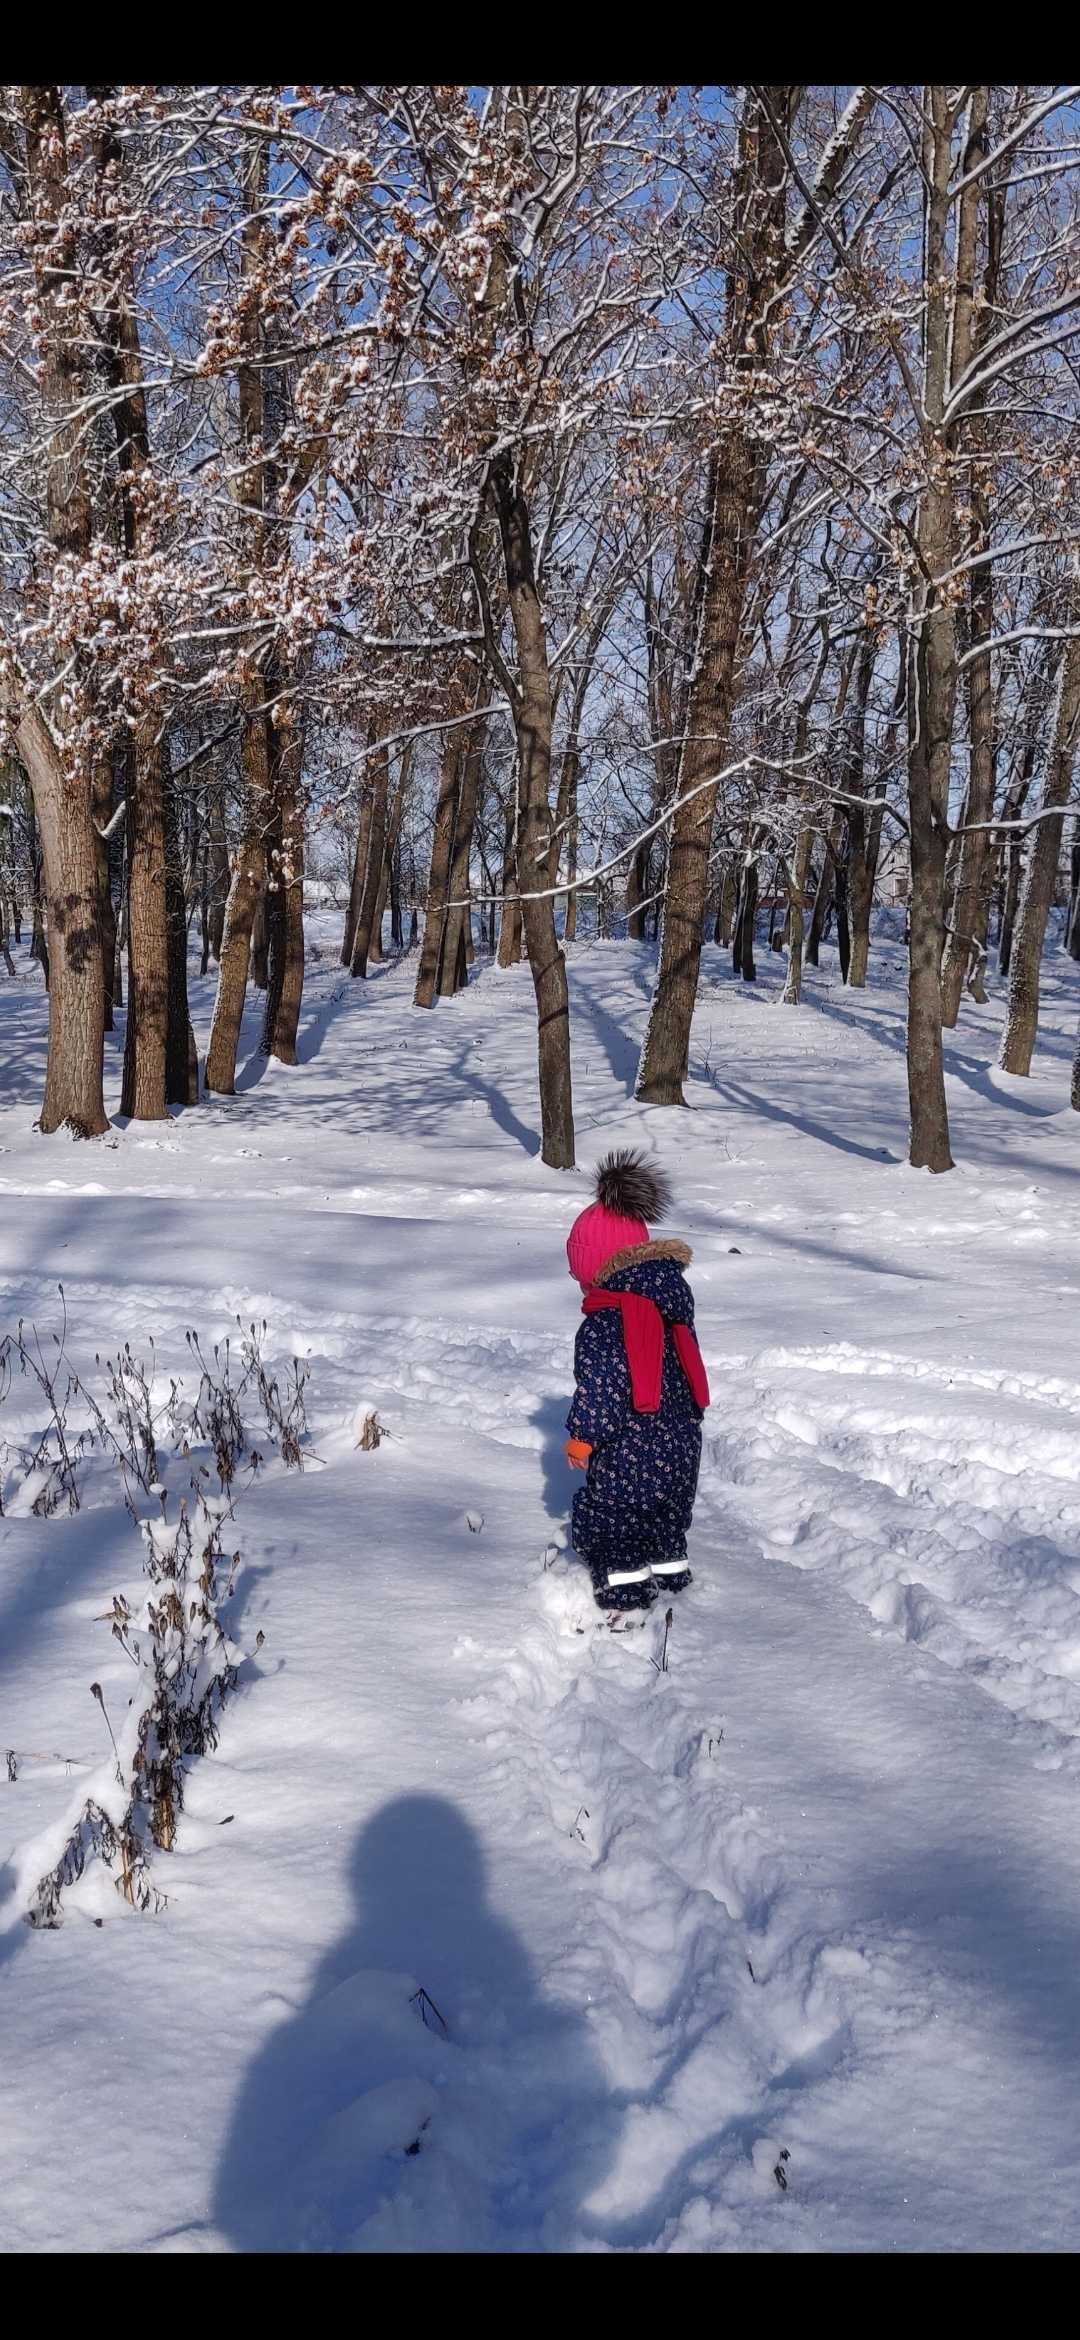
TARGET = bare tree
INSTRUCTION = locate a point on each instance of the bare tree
(763, 261)
(1022, 1022)
(63, 784)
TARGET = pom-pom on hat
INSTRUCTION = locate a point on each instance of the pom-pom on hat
(630, 1194)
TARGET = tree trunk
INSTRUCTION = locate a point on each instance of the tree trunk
(533, 719)
(843, 930)
(861, 899)
(375, 948)
(962, 942)
(365, 917)
(121, 927)
(800, 873)
(219, 871)
(570, 917)
(735, 500)
(855, 877)
(260, 933)
(359, 870)
(510, 920)
(39, 948)
(928, 759)
(743, 942)
(825, 891)
(933, 679)
(1012, 843)
(102, 791)
(73, 1077)
(765, 258)
(395, 824)
(661, 663)
(442, 846)
(457, 928)
(204, 906)
(725, 907)
(637, 885)
(245, 892)
(975, 848)
(285, 900)
(1022, 1021)
(1072, 926)
(181, 1054)
(1015, 853)
(63, 802)
(256, 493)
(143, 1095)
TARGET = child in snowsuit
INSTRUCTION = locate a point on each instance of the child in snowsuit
(635, 1423)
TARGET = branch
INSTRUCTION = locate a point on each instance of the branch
(1019, 828)
(112, 824)
(1061, 97)
(497, 662)
(1018, 634)
(604, 868)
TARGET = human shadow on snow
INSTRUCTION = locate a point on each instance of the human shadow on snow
(425, 2096)
(621, 1049)
(549, 1415)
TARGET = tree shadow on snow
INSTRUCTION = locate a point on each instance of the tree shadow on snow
(753, 1101)
(973, 1071)
(464, 1067)
(425, 2096)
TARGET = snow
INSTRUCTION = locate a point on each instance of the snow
(483, 1931)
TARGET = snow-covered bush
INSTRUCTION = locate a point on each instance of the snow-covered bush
(165, 1446)
(187, 1665)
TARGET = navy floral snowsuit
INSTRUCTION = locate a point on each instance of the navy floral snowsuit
(638, 1500)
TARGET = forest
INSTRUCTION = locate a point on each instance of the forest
(539, 795)
(532, 512)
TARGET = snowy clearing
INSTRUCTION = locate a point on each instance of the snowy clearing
(776, 1949)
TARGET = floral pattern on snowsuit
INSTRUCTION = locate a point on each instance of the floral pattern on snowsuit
(638, 1500)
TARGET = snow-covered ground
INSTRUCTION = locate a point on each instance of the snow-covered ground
(813, 1891)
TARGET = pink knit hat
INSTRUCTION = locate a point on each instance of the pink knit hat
(596, 1236)
(628, 1194)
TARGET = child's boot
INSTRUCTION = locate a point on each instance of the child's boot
(623, 1588)
(671, 1576)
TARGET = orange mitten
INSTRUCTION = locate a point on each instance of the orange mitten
(578, 1451)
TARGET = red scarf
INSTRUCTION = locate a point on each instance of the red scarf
(643, 1338)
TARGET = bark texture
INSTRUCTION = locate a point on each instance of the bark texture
(63, 797)
(766, 259)
(933, 676)
(533, 724)
(1022, 1021)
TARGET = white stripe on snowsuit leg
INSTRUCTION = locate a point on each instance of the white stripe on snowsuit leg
(627, 1576)
(671, 1567)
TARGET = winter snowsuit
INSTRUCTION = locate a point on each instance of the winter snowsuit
(638, 1500)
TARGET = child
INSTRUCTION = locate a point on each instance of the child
(635, 1423)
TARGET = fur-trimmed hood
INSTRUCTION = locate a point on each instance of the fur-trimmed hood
(656, 1271)
(637, 1254)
